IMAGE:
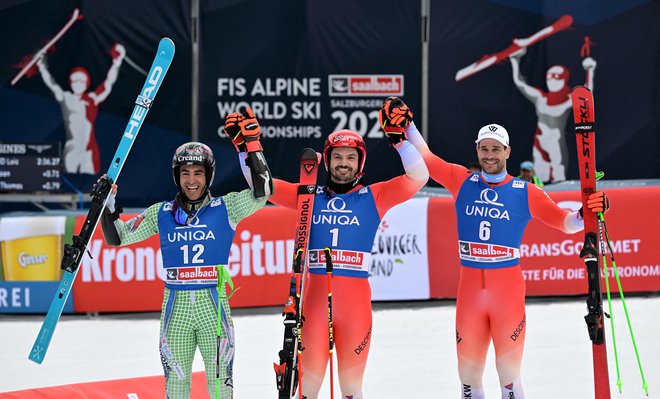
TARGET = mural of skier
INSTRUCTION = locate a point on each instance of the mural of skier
(79, 111)
(553, 107)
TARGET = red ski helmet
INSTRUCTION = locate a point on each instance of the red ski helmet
(558, 72)
(345, 138)
(193, 153)
(80, 71)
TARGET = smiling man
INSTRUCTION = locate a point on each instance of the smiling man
(492, 212)
(345, 218)
(196, 232)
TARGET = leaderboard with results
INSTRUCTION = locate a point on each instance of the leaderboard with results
(30, 167)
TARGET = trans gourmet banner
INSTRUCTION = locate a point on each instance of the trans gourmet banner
(550, 258)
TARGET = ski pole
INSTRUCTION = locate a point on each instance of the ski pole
(218, 344)
(645, 386)
(224, 278)
(331, 338)
(604, 238)
(601, 242)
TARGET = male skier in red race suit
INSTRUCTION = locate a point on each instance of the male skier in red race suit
(345, 218)
(492, 210)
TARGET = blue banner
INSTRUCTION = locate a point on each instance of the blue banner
(29, 297)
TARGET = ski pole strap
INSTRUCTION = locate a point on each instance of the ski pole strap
(224, 278)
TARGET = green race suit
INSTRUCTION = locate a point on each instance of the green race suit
(189, 317)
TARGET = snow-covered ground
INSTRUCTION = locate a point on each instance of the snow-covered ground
(412, 352)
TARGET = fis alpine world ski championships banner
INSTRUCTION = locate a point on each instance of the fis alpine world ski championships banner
(307, 69)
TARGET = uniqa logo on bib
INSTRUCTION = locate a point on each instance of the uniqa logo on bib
(336, 213)
(488, 198)
(194, 231)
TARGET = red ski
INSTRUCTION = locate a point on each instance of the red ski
(288, 372)
(489, 60)
(583, 114)
(30, 61)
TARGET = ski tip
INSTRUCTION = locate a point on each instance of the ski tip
(166, 45)
(308, 153)
(565, 21)
(579, 88)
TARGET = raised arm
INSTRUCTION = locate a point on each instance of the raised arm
(103, 91)
(394, 117)
(244, 131)
(450, 175)
(589, 65)
(401, 188)
(531, 93)
(242, 204)
(49, 80)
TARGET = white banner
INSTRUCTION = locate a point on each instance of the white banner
(399, 260)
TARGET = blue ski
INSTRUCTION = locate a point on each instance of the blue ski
(73, 254)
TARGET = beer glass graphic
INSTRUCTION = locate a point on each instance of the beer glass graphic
(31, 247)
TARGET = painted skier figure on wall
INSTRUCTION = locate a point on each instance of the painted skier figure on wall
(79, 111)
(553, 107)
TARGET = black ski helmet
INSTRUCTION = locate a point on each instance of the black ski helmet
(193, 153)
